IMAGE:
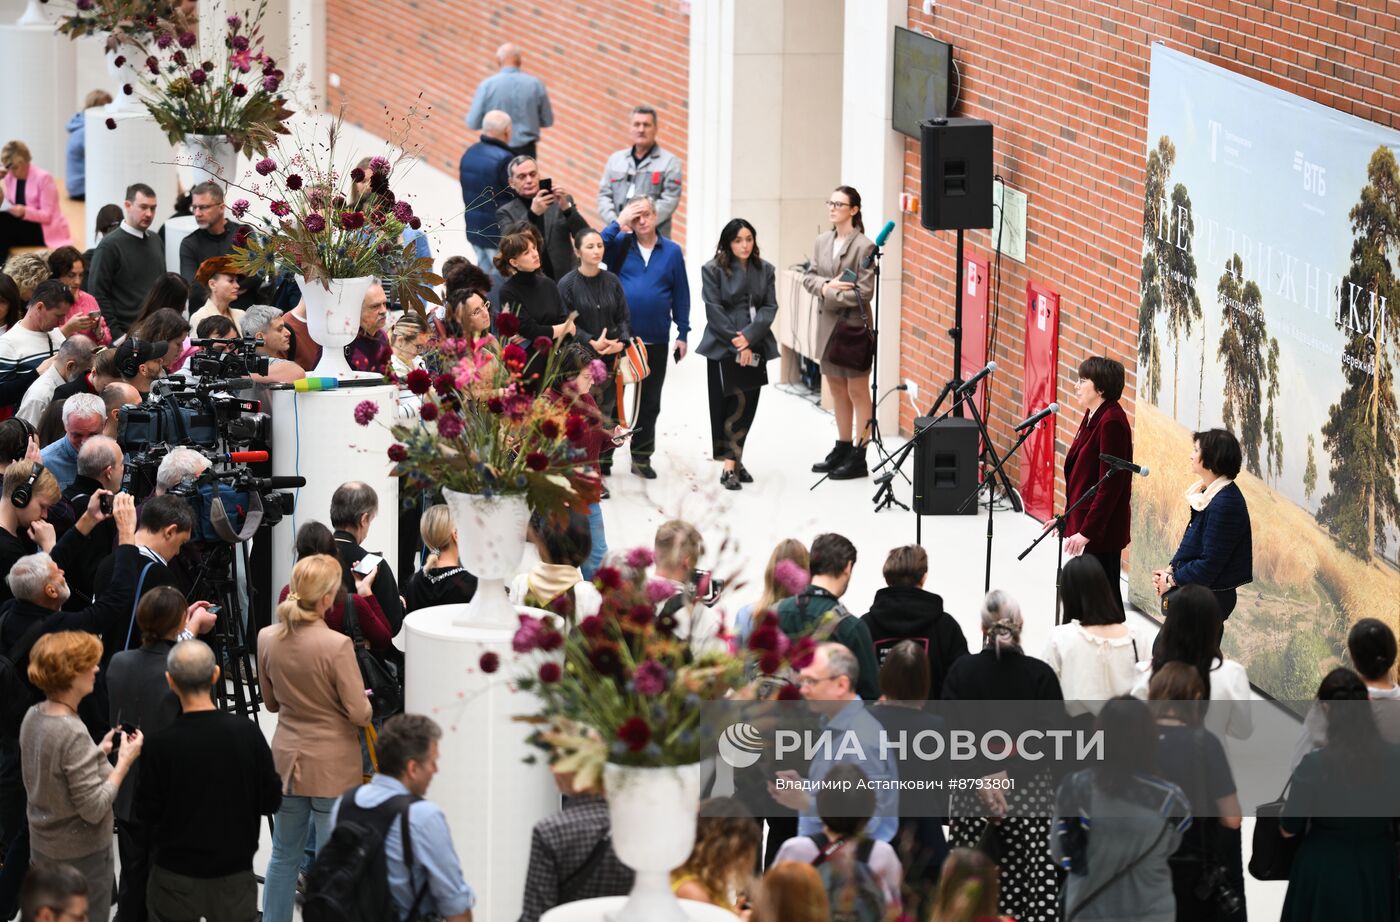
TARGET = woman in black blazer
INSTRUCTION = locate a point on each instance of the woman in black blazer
(1217, 550)
(741, 300)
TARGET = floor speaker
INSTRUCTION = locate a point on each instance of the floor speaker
(957, 173)
(945, 466)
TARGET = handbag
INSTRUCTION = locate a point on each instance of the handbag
(1272, 858)
(852, 346)
(631, 368)
(385, 697)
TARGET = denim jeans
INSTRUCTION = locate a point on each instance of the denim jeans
(600, 542)
(289, 834)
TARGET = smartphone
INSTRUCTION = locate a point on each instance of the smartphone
(366, 564)
(547, 184)
(849, 276)
(622, 436)
(676, 353)
(214, 609)
(126, 730)
(104, 502)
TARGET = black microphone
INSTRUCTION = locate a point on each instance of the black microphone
(1123, 465)
(971, 383)
(278, 483)
(1030, 421)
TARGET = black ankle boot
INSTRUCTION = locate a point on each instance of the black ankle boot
(853, 466)
(833, 458)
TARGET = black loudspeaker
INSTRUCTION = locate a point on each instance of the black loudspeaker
(957, 174)
(945, 466)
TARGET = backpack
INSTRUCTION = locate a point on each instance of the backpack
(16, 694)
(854, 897)
(385, 696)
(349, 881)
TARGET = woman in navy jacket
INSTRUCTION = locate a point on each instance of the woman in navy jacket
(1100, 527)
(1217, 550)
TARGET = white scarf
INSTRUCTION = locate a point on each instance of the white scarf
(1199, 494)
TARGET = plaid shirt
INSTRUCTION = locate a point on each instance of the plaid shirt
(559, 847)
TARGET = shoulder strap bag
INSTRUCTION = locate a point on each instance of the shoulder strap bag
(851, 345)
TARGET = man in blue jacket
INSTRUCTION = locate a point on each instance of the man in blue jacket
(485, 181)
(652, 271)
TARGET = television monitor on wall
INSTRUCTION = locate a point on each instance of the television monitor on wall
(923, 82)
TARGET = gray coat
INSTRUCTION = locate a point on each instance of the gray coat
(739, 302)
(560, 225)
(824, 266)
(657, 176)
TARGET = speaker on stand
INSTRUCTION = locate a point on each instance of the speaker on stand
(945, 466)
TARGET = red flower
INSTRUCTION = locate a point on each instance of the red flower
(802, 653)
(489, 662)
(352, 220)
(280, 208)
(576, 428)
(111, 124)
(314, 223)
(549, 673)
(449, 426)
(764, 638)
(770, 663)
(542, 343)
(592, 627)
(641, 615)
(429, 412)
(496, 405)
(635, 733)
(537, 460)
(357, 175)
(789, 692)
(605, 661)
(514, 357)
(551, 640)
(507, 324)
(398, 453)
(608, 577)
(293, 182)
(240, 90)
(419, 381)
(415, 222)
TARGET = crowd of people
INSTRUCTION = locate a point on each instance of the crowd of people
(112, 666)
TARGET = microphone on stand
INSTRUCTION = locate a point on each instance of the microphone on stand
(1030, 421)
(1140, 470)
(971, 383)
(879, 242)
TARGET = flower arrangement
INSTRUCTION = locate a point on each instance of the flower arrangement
(622, 686)
(482, 429)
(321, 233)
(124, 21)
(190, 96)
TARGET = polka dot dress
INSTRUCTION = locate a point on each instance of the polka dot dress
(1030, 882)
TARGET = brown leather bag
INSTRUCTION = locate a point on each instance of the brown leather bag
(852, 346)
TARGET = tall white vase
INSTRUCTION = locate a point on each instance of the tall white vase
(36, 14)
(653, 813)
(125, 75)
(207, 157)
(333, 319)
(490, 542)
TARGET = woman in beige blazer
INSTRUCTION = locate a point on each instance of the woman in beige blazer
(844, 247)
(311, 681)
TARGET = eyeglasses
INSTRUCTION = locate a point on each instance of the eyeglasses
(206, 207)
(831, 204)
(808, 681)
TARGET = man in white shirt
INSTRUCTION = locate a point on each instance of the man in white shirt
(74, 359)
(31, 342)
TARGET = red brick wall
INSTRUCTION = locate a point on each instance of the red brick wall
(597, 60)
(1065, 84)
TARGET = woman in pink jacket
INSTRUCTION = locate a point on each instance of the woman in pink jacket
(31, 215)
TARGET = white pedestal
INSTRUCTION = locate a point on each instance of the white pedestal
(36, 65)
(176, 230)
(601, 909)
(314, 435)
(135, 151)
(492, 798)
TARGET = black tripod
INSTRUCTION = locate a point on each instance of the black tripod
(217, 580)
(1057, 524)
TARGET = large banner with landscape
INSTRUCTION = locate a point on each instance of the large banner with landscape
(1270, 302)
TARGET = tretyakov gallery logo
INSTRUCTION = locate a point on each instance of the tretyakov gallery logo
(740, 745)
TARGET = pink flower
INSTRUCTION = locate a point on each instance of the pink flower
(270, 84)
(659, 590)
(280, 208)
(379, 165)
(314, 223)
(240, 207)
(266, 166)
(239, 42)
(650, 678)
(366, 411)
(790, 577)
(164, 40)
(597, 371)
(403, 212)
(234, 22)
(528, 636)
(449, 425)
(639, 558)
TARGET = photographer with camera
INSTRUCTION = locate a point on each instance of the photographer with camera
(166, 523)
(100, 467)
(266, 325)
(678, 547)
(354, 506)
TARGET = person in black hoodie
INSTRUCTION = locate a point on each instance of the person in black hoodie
(443, 580)
(904, 610)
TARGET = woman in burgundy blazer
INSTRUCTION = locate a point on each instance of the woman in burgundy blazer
(1099, 527)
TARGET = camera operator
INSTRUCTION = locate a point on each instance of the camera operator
(100, 467)
(141, 362)
(103, 373)
(678, 547)
(354, 506)
(166, 523)
(179, 465)
(116, 395)
(265, 324)
(23, 528)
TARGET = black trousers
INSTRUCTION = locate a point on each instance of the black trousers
(17, 232)
(14, 845)
(644, 439)
(606, 395)
(1113, 566)
(731, 417)
(136, 870)
(525, 150)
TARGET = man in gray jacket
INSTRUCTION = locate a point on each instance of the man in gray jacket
(642, 169)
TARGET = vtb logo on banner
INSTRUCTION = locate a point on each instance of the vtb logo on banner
(1314, 175)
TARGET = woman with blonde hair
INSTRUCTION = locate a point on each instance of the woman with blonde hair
(791, 892)
(443, 580)
(27, 270)
(32, 216)
(310, 679)
(721, 863)
(779, 583)
(70, 785)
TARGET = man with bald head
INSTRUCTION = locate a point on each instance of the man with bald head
(116, 395)
(485, 175)
(72, 361)
(201, 847)
(519, 95)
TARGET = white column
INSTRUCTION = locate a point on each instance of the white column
(306, 57)
(36, 65)
(135, 151)
(872, 160)
(708, 160)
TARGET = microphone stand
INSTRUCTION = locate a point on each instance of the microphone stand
(1059, 527)
(991, 501)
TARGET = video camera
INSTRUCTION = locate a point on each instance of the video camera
(231, 505)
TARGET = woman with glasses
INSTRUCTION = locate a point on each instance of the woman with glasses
(66, 264)
(407, 340)
(842, 278)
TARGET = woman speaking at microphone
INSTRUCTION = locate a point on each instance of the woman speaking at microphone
(1099, 526)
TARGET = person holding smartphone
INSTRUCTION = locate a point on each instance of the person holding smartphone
(741, 301)
(550, 210)
(842, 278)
